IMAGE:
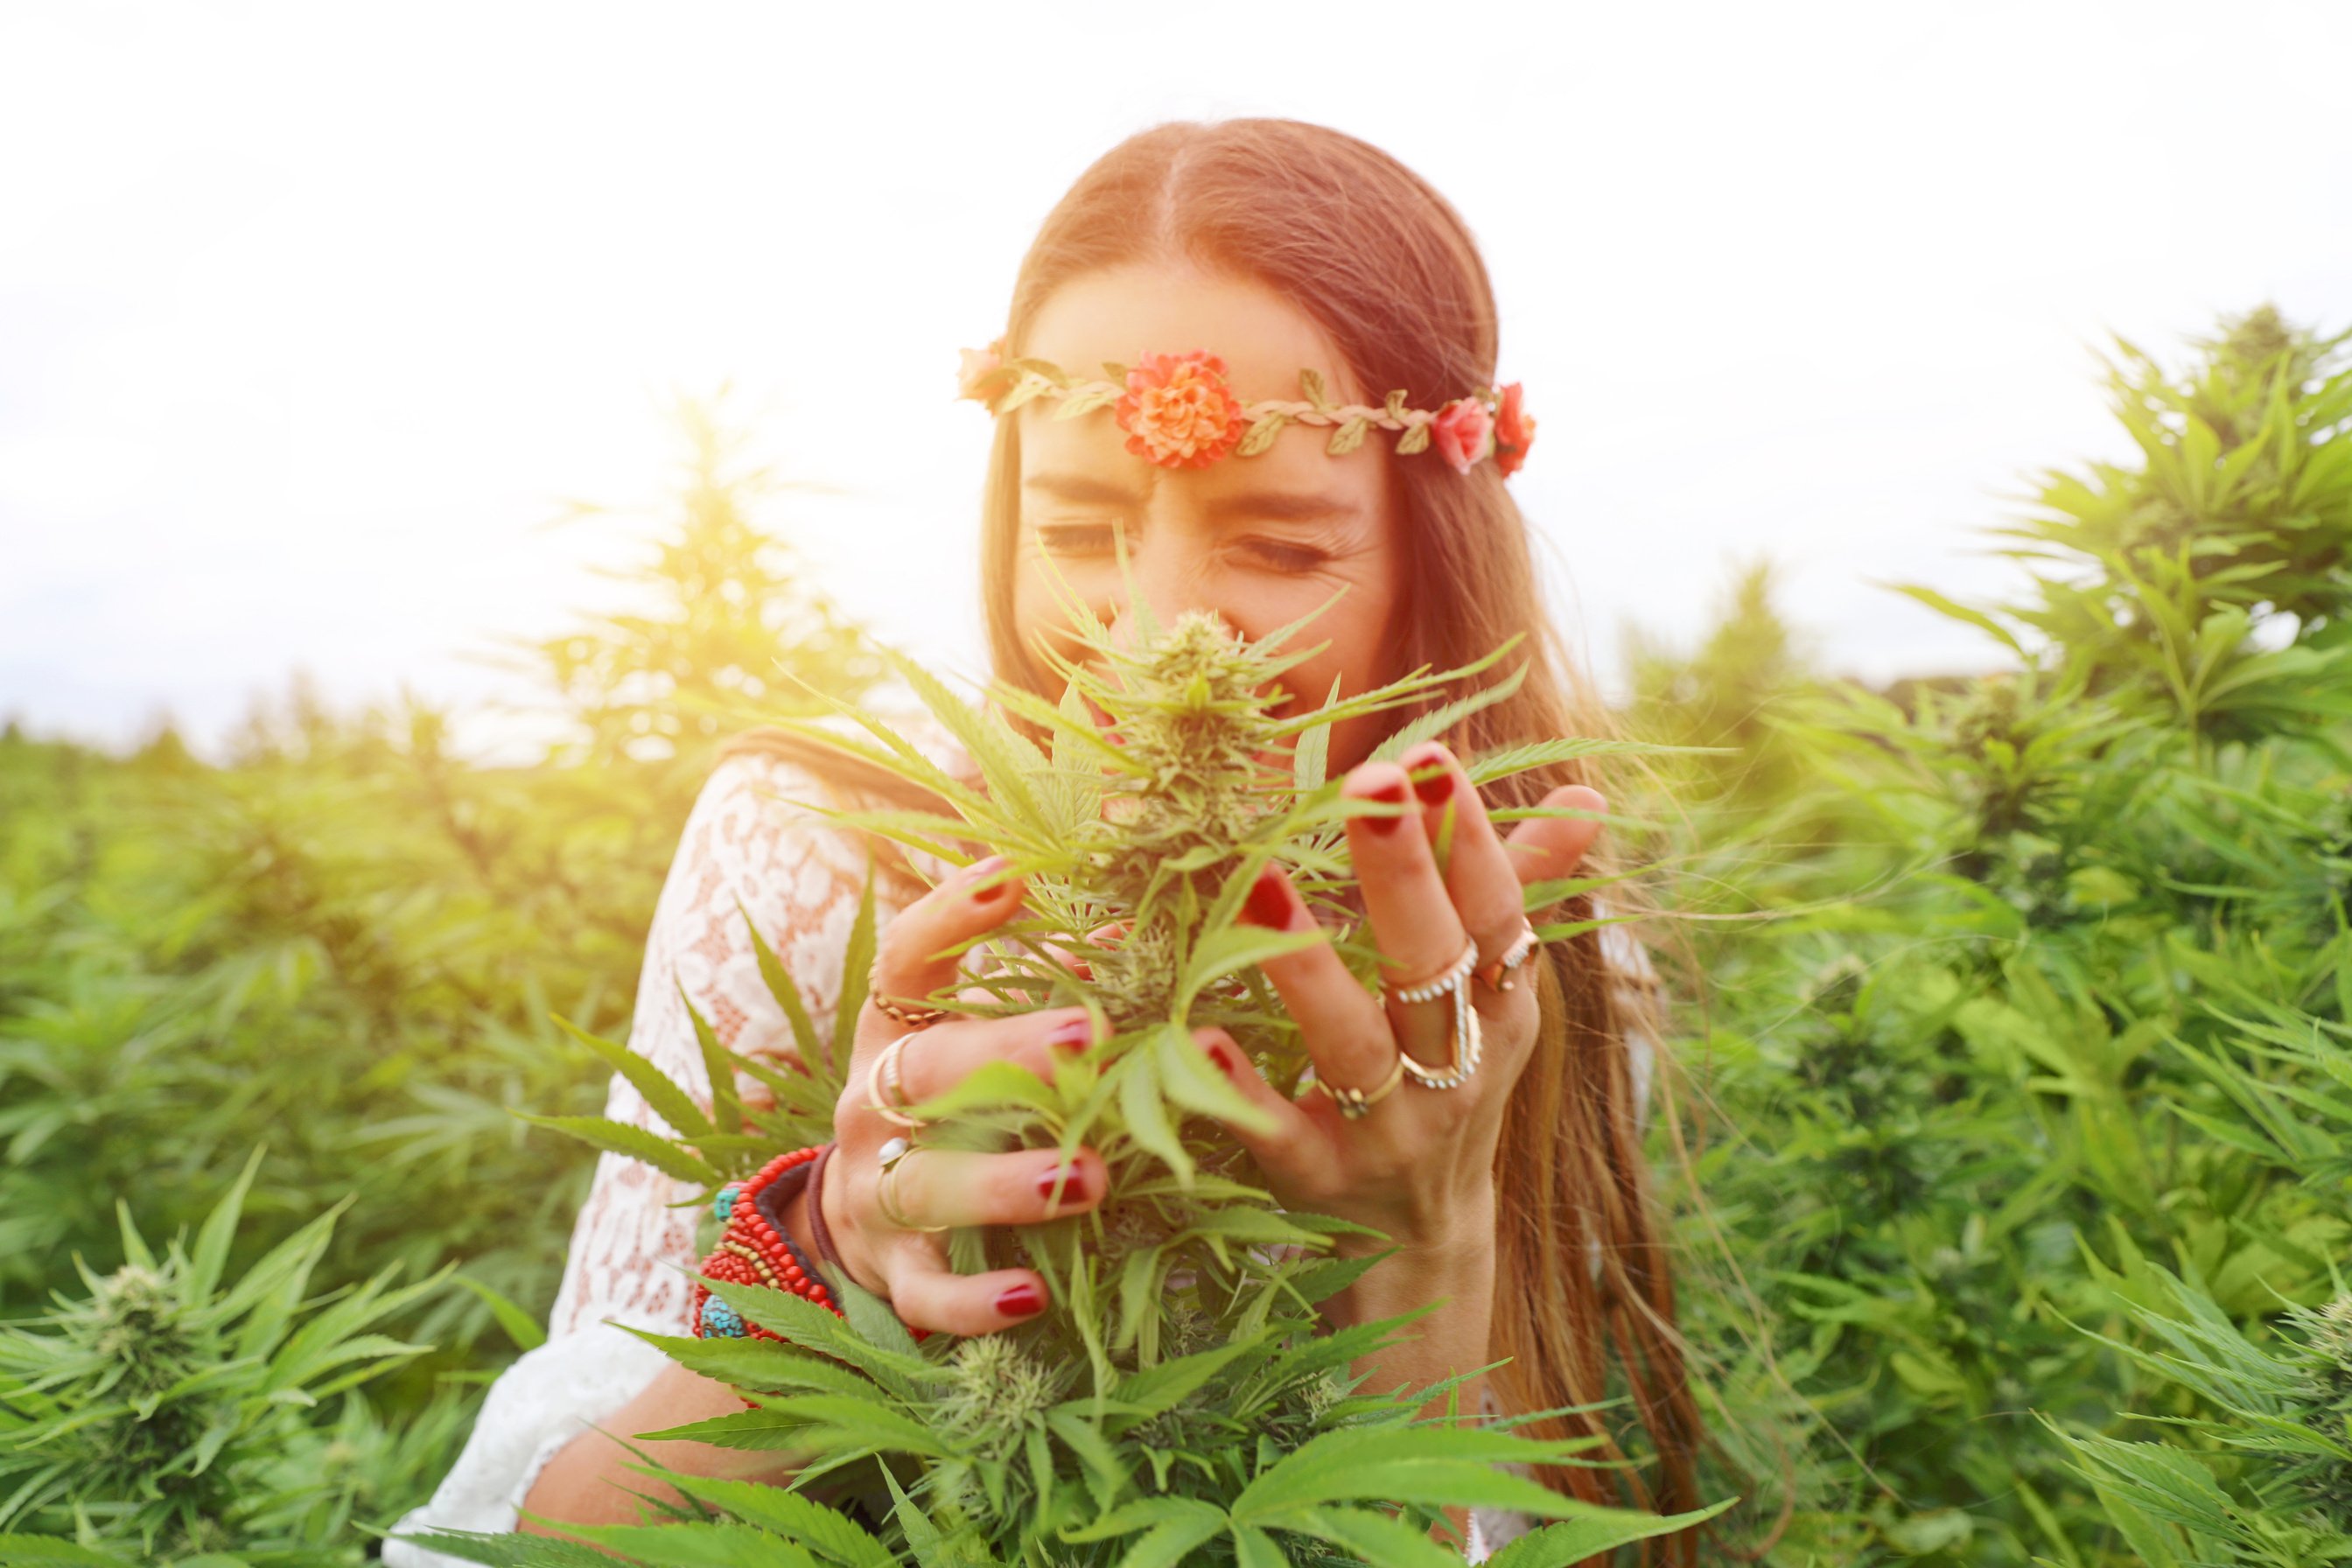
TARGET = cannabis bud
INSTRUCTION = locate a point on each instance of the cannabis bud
(2325, 1401)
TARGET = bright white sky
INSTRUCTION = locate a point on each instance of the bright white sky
(310, 313)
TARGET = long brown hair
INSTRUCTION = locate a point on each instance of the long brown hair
(1584, 1295)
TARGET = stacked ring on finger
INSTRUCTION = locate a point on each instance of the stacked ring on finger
(1355, 1104)
(1496, 976)
(1464, 1036)
(886, 1194)
(897, 1012)
(885, 1095)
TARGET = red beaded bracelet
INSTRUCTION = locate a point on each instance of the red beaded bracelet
(754, 1251)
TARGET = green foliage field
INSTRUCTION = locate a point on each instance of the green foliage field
(2016, 1032)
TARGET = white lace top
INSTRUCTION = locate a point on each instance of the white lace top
(800, 877)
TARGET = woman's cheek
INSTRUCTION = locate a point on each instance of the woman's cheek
(1041, 588)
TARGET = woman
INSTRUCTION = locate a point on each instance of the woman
(1520, 1197)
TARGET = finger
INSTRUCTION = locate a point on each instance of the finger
(1293, 1152)
(926, 1296)
(944, 1055)
(917, 954)
(1545, 848)
(1478, 872)
(1411, 913)
(1412, 916)
(952, 1187)
(1343, 1028)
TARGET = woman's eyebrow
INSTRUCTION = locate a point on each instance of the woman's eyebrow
(1282, 506)
(1265, 506)
(1082, 489)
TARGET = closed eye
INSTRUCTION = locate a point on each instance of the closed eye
(1078, 538)
(1284, 555)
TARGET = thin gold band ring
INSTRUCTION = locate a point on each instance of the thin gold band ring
(1355, 1104)
(885, 1095)
(886, 1188)
(897, 1012)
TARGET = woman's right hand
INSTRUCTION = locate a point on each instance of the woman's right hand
(908, 1268)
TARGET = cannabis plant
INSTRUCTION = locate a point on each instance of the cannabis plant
(170, 1414)
(1178, 1402)
(2273, 1483)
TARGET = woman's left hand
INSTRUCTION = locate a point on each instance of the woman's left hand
(1418, 1165)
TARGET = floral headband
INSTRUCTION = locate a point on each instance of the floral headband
(1178, 411)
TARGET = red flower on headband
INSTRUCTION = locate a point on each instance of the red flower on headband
(1177, 412)
(1460, 431)
(1515, 432)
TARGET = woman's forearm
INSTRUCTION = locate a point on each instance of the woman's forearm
(1454, 1274)
(588, 1482)
(1455, 1277)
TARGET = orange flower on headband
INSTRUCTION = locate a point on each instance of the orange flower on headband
(1177, 412)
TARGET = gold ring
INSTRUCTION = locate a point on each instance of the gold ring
(904, 1016)
(1445, 980)
(1522, 948)
(1357, 1103)
(883, 1090)
(1465, 1040)
(886, 1187)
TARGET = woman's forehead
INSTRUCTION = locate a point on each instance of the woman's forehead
(1118, 316)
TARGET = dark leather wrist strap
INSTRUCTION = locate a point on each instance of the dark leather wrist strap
(819, 1232)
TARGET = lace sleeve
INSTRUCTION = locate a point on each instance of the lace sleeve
(800, 880)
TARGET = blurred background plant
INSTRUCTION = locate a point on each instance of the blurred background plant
(348, 941)
(168, 1414)
(1988, 1111)
(2017, 1021)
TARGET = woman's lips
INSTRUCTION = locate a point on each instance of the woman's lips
(1104, 721)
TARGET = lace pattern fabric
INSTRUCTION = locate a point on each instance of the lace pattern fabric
(746, 853)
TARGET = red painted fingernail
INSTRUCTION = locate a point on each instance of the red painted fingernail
(1069, 1181)
(1438, 786)
(1389, 793)
(1023, 1301)
(1228, 1060)
(1269, 903)
(988, 868)
(1073, 1036)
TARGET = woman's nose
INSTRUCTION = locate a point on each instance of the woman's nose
(1171, 576)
